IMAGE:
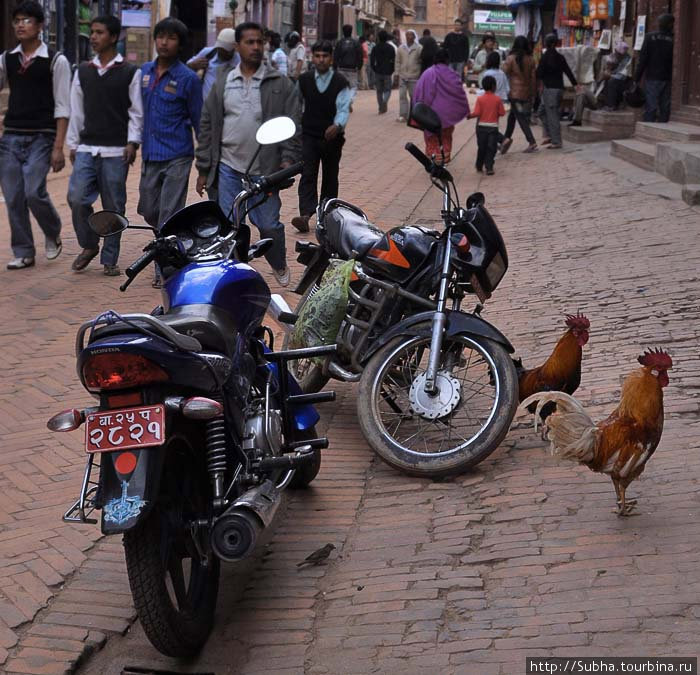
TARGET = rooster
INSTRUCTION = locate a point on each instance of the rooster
(562, 370)
(621, 445)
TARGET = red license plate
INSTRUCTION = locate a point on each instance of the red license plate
(111, 430)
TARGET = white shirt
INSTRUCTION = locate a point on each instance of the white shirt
(279, 60)
(61, 78)
(77, 118)
(295, 55)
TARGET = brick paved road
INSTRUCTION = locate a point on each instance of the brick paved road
(521, 557)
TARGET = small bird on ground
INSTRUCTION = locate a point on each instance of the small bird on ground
(317, 557)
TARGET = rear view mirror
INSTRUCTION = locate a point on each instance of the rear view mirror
(475, 199)
(426, 119)
(107, 223)
(276, 130)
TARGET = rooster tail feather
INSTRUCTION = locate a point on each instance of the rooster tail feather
(571, 431)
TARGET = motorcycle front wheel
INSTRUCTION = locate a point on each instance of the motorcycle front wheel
(173, 586)
(446, 433)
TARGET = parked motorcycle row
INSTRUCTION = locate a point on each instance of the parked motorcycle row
(199, 424)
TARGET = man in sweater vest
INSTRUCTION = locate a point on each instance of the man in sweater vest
(104, 133)
(35, 130)
(327, 96)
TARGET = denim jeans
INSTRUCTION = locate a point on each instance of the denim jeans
(549, 114)
(265, 216)
(383, 85)
(657, 107)
(24, 163)
(517, 114)
(93, 176)
(406, 88)
(163, 189)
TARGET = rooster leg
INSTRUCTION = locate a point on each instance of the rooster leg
(624, 506)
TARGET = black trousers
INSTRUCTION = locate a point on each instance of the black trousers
(487, 143)
(518, 115)
(315, 152)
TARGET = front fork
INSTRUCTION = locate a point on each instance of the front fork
(439, 322)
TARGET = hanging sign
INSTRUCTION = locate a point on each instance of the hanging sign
(623, 13)
(499, 21)
(639, 33)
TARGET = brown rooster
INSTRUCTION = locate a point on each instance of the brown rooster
(621, 445)
(562, 370)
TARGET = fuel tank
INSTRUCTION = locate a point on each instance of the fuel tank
(401, 252)
(234, 287)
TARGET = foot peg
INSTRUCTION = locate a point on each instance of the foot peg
(287, 462)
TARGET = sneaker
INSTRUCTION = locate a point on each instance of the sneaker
(301, 223)
(401, 119)
(490, 172)
(507, 142)
(83, 259)
(531, 148)
(53, 248)
(282, 277)
(111, 271)
(20, 263)
(554, 146)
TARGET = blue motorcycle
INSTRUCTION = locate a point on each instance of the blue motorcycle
(198, 426)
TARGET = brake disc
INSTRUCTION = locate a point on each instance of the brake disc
(439, 405)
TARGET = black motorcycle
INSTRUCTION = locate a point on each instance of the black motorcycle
(438, 389)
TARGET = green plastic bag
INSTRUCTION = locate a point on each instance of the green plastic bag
(320, 317)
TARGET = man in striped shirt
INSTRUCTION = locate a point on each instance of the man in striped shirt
(172, 105)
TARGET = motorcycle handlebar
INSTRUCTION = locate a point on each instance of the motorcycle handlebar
(136, 267)
(280, 176)
(435, 170)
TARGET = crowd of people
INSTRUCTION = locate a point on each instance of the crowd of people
(208, 110)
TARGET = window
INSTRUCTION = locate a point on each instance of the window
(421, 7)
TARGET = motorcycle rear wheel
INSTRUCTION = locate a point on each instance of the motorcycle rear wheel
(443, 436)
(174, 592)
(306, 372)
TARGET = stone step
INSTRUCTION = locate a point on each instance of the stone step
(679, 162)
(620, 119)
(687, 114)
(670, 132)
(635, 152)
(582, 134)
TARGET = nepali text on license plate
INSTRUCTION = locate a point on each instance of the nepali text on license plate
(111, 430)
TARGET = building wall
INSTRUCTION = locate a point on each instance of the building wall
(440, 16)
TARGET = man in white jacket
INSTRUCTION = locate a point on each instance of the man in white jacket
(408, 65)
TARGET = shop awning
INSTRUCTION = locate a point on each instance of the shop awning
(406, 11)
(371, 18)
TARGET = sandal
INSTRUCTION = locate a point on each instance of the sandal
(531, 148)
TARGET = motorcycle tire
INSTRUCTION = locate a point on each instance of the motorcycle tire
(176, 609)
(306, 372)
(374, 398)
(304, 475)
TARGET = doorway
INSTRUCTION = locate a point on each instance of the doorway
(193, 13)
(692, 64)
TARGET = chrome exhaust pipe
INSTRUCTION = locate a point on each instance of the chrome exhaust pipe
(237, 530)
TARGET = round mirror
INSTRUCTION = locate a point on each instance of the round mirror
(107, 223)
(276, 130)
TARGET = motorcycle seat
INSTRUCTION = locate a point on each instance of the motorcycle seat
(346, 231)
(203, 322)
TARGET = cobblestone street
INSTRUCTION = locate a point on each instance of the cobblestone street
(521, 557)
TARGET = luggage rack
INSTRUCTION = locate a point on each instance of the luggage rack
(81, 511)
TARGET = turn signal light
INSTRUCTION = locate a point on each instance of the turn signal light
(201, 408)
(120, 371)
(68, 420)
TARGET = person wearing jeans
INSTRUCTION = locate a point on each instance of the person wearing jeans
(488, 109)
(103, 135)
(35, 128)
(550, 72)
(382, 58)
(408, 63)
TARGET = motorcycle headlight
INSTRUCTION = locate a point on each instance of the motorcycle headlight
(496, 270)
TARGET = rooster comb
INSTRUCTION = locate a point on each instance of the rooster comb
(656, 358)
(577, 320)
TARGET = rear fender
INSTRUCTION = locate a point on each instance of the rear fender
(126, 498)
(458, 323)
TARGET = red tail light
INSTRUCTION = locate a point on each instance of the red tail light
(120, 371)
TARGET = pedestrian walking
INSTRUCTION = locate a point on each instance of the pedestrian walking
(519, 67)
(347, 57)
(493, 68)
(441, 88)
(383, 58)
(655, 65)
(457, 45)
(371, 44)
(430, 46)
(240, 101)
(550, 73)
(326, 96)
(207, 61)
(296, 58)
(408, 64)
(488, 109)
(84, 20)
(487, 47)
(35, 128)
(104, 133)
(172, 105)
(278, 57)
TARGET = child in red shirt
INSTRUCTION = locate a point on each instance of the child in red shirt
(488, 109)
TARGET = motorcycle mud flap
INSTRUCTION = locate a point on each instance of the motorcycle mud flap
(129, 483)
(320, 317)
